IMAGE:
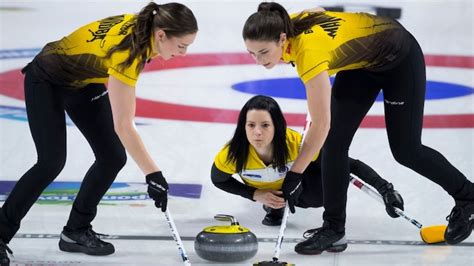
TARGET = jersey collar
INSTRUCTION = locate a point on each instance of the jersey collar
(288, 53)
(253, 153)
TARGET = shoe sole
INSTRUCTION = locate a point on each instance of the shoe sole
(335, 249)
(73, 247)
(270, 224)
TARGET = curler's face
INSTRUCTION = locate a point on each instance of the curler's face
(169, 47)
(259, 129)
(266, 53)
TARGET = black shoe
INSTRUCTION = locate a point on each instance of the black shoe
(461, 223)
(86, 241)
(321, 239)
(4, 260)
(273, 217)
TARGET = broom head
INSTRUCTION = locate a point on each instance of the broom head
(433, 234)
(273, 263)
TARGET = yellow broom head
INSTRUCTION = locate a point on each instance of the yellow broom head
(433, 234)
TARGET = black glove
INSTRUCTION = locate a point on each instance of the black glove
(158, 189)
(292, 189)
(392, 199)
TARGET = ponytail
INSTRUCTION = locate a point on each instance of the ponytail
(175, 19)
(272, 19)
(267, 23)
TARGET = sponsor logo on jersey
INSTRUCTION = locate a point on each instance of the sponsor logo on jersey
(251, 175)
(104, 26)
(330, 25)
(284, 170)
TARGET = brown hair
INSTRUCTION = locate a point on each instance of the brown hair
(175, 19)
(272, 19)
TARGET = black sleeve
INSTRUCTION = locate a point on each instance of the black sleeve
(366, 173)
(229, 184)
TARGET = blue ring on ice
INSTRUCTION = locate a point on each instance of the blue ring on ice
(293, 88)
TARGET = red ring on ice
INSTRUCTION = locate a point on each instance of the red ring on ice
(12, 86)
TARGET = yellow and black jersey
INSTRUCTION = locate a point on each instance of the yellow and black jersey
(255, 173)
(79, 58)
(344, 41)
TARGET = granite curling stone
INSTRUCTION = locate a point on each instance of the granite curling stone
(226, 243)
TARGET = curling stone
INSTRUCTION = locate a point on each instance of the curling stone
(226, 243)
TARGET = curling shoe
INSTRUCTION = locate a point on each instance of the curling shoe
(4, 260)
(273, 217)
(85, 241)
(461, 223)
(321, 239)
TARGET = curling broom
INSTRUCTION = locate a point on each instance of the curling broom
(429, 234)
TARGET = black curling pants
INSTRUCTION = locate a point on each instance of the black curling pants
(89, 108)
(312, 195)
(353, 94)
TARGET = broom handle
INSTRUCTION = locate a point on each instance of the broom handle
(276, 254)
(286, 213)
(177, 238)
(374, 194)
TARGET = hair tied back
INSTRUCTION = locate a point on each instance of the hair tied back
(264, 6)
